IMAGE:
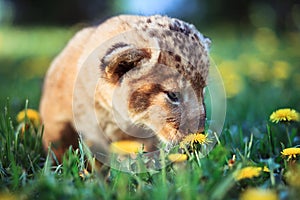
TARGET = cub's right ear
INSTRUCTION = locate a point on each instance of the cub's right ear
(120, 59)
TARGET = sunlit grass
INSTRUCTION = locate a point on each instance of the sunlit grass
(26, 172)
(36, 41)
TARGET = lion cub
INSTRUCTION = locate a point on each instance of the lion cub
(132, 78)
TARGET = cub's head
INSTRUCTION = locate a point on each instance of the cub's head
(158, 81)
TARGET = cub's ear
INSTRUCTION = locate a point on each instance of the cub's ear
(120, 59)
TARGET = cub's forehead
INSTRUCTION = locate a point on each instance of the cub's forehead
(182, 46)
(169, 25)
(168, 42)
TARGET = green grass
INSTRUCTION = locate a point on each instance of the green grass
(26, 172)
(247, 61)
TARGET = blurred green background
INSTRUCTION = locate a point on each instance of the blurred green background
(256, 46)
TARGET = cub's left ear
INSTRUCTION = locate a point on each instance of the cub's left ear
(120, 59)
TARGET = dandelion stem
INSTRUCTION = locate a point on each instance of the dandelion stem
(288, 135)
(198, 159)
(216, 136)
(270, 138)
(272, 178)
(163, 167)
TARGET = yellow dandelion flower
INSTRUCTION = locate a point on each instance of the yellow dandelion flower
(284, 115)
(196, 138)
(281, 70)
(232, 78)
(32, 115)
(177, 157)
(259, 194)
(84, 173)
(266, 41)
(292, 176)
(265, 169)
(125, 147)
(258, 70)
(7, 196)
(290, 152)
(247, 172)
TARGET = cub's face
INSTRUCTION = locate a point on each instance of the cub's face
(154, 95)
(157, 80)
(165, 101)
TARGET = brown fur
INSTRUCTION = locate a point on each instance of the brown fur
(152, 57)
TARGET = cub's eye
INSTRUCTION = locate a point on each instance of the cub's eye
(173, 97)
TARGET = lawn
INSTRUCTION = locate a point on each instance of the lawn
(261, 74)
